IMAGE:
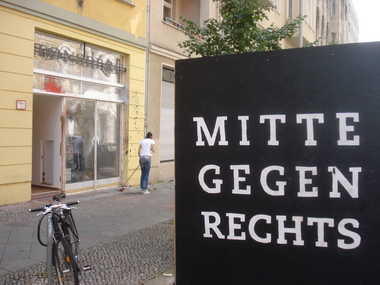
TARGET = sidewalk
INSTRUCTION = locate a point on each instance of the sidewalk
(127, 237)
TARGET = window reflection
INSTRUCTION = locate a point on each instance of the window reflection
(79, 140)
(84, 141)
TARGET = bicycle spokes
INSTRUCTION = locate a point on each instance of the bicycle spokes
(65, 265)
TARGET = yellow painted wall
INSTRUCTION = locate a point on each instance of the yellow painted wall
(135, 121)
(16, 83)
(115, 13)
(17, 31)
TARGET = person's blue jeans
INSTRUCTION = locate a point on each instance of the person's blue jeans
(145, 169)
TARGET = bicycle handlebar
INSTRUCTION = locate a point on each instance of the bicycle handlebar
(41, 209)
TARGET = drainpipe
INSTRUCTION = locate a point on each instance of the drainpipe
(300, 34)
(147, 67)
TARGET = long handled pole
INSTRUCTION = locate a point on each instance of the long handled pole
(125, 183)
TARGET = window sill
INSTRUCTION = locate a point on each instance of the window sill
(127, 3)
(174, 24)
(178, 26)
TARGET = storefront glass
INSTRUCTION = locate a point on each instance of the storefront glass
(63, 66)
(89, 80)
(92, 139)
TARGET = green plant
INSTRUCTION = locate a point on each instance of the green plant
(238, 31)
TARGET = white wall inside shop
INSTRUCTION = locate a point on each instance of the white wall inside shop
(47, 133)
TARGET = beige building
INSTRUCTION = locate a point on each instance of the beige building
(72, 95)
(82, 81)
(327, 22)
(164, 33)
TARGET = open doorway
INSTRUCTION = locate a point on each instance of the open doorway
(47, 138)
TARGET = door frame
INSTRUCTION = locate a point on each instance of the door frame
(91, 184)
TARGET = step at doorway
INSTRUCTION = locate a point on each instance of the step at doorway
(39, 192)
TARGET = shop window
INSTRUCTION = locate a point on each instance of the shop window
(75, 68)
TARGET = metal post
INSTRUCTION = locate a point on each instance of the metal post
(300, 34)
(49, 250)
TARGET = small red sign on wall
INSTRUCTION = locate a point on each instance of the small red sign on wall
(20, 105)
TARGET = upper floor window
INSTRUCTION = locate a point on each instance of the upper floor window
(168, 9)
(277, 5)
(193, 10)
(333, 7)
(289, 13)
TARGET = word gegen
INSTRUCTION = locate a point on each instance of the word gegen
(305, 189)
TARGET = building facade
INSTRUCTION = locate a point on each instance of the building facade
(164, 33)
(327, 22)
(82, 82)
(72, 94)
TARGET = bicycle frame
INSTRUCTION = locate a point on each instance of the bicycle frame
(62, 238)
(49, 249)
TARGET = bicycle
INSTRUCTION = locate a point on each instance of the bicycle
(62, 242)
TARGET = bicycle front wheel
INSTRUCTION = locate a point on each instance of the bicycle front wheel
(65, 266)
(71, 234)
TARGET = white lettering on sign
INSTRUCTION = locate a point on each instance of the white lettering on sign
(309, 118)
(274, 124)
(217, 182)
(352, 188)
(344, 129)
(280, 191)
(212, 223)
(296, 230)
(338, 178)
(252, 228)
(244, 140)
(219, 128)
(273, 182)
(238, 179)
(303, 181)
(321, 222)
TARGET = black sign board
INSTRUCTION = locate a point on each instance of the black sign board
(277, 167)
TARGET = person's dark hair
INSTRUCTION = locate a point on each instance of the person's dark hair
(149, 135)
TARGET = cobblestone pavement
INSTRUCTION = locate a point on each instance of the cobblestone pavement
(132, 258)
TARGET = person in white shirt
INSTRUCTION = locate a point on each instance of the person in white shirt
(146, 148)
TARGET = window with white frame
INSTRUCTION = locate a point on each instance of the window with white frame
(194, 10)
(277, 5)
(167, 115)
(289, 13)
(168, 9)
(333, 6)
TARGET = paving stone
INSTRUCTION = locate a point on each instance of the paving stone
(131, 253)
